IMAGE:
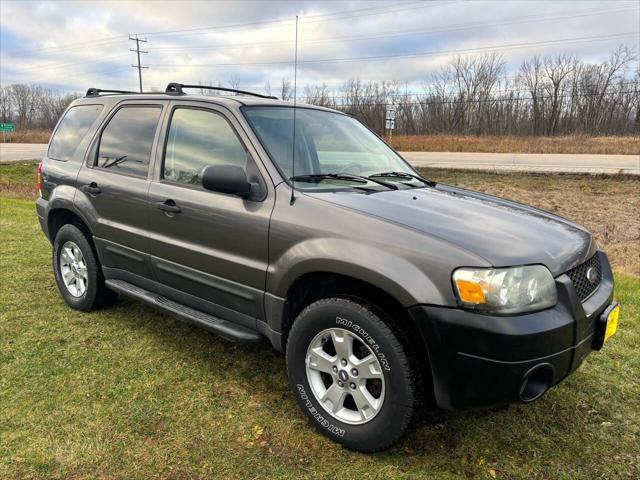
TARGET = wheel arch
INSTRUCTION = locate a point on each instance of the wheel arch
(313, 286)
(61, 215)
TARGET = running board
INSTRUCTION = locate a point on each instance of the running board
(227, 330)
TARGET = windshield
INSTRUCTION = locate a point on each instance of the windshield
(331, 144)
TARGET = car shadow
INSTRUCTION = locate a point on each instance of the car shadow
(261, 373)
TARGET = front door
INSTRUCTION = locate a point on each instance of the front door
(210, 248)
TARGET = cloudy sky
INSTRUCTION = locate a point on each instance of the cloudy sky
(73, 45)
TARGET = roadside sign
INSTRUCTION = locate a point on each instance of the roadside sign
(7, 127)
(390, 119)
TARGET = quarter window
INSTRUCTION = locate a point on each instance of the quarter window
(197, 139)
(72, 129)
(126, 142)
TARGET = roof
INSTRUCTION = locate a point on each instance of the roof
(226, 100)
(241, 98)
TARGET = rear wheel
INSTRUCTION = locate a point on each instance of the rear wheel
(77, 271)
(351, 374)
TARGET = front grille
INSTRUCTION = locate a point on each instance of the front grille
(578, 276)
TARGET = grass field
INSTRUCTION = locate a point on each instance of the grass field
(626, 145)
(28, 136)
(130, 393)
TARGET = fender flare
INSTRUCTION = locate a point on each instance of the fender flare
(395, 275)
(63, 198)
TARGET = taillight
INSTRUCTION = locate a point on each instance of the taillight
(40, 178)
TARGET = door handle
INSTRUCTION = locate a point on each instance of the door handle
(92, 188)
(168, 206)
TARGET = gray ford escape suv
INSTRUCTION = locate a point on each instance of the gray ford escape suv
(255, 219)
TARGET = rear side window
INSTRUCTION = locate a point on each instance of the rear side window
(197, 139)
(72, 129)
(126, 141)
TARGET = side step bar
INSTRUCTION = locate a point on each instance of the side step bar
(227, 330)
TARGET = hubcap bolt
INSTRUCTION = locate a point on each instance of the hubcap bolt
(340, 384)
(353, 386)
(335, 369)
(354, 372)
(343, 362)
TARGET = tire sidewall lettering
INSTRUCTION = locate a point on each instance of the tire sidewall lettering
(366, 338)
(317, 415)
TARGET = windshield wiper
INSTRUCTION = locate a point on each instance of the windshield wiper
(426, 181)
(115, 161)
(341, 176)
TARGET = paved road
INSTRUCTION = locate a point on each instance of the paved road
(528, 162)
(16, 152)
(521, 162)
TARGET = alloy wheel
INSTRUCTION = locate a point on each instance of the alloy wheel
(345, 376)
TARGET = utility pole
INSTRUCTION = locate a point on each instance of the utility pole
(138, 52)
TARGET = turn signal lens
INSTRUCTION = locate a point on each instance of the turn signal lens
(470, 292)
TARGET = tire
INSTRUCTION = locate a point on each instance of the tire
(87, 290)
(377, 351)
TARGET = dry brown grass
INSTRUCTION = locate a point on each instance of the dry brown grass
(27, 136)
(625, 145)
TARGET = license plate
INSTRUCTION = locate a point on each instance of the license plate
(612, 323)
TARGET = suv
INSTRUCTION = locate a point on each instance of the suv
(256, 218)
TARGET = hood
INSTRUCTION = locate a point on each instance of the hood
(503, 232)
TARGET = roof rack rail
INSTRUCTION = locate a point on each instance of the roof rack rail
(95, 92)
(177, 89)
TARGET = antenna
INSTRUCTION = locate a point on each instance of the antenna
(295, 97)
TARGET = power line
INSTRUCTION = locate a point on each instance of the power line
(138, 52)
(305, 20)
(103, 40)
(74, 46)
(508, 46)
(452, 28)
(264, 22)
(63, 65)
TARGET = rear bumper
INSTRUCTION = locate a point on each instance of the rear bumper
(42, 210)
(480, 360)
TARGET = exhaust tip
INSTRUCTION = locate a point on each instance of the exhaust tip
(536, 382)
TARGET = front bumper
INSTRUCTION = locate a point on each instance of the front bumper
(480, 360)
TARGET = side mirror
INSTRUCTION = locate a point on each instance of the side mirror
(226, 179)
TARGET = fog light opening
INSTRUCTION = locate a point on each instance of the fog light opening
(536, 382)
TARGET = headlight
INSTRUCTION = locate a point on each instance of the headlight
(506, 290)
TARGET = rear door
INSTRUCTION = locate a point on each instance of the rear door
(212, 249)
(113, 187)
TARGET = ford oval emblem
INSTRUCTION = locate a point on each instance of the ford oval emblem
(592, 275)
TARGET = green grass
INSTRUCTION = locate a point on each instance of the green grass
(130, 393)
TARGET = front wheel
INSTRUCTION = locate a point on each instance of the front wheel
(351, 374)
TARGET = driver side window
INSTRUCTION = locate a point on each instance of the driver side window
(196, 139)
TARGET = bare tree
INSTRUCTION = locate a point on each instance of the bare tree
(471, 95)
(22, 99)
(286, 91)
(6, 108)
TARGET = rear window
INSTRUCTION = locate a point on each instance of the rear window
(72, 129)
(126, 142)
